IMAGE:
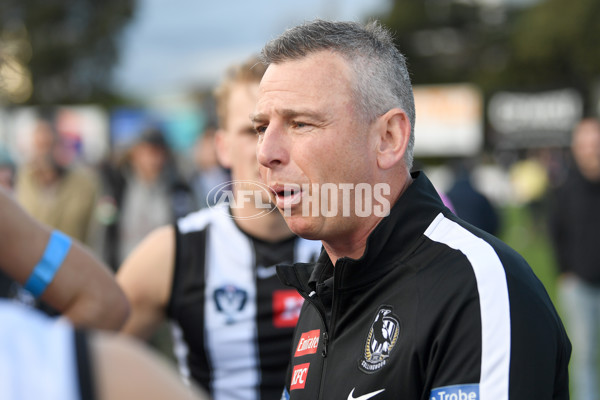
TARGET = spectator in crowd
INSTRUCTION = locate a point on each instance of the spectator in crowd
(209, 178)
(7, 178)
(7, 170)
(470, 204)
(574, 222)
(60, 195)
(145, 191)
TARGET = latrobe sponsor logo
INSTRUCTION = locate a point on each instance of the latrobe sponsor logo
(456, 392)
(299, 375)
(308, 343)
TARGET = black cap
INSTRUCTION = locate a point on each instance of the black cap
(152, 136)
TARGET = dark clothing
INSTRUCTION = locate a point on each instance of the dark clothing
(575, 227)
(233, 318)
(434, 309)
(114, 182)
(472, 206)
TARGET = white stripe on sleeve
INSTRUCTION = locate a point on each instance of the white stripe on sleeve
(493, 299)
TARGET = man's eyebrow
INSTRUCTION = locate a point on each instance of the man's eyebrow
(289, 114)
(258, 117)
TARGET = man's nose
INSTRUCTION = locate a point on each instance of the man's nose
(271, 149)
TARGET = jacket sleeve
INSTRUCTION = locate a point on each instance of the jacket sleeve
(454, 352)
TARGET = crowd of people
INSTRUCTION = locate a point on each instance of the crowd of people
(325, 266)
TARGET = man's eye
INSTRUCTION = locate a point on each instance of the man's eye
(299, 125)
(260, 129)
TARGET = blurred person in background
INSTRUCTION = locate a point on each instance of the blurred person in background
(469, 203)
(530, 181)
(7, 170)
(212, 273)
(55, 192)
(7, 181)
(574, 225)
(146, 192)
(208, 173)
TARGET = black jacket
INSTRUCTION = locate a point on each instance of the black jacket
(574, 222)
(434, 308)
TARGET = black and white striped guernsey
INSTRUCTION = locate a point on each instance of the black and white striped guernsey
(232, 319)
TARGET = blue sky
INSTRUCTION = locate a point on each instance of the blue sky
(175, 45)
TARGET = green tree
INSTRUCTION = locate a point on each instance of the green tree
(518, 45)
(556, 42)
(444, 40)
(65, 49)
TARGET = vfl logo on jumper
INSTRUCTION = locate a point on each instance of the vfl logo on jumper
(299, 376)
(230, 300)
(381, 340)
(456, 392)
(308, 343)
(286, 308)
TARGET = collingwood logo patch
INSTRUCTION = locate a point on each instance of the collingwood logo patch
(381, 340)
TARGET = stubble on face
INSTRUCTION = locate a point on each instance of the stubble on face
(307, 110)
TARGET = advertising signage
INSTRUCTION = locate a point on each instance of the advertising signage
(533, 120)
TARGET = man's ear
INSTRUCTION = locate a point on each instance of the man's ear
(222, 148)
(393, 137)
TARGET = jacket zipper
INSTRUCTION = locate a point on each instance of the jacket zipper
(324, 335)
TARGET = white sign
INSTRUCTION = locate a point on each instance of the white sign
(449, 120)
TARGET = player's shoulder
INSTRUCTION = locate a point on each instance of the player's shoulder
(198, 220)
(307, 250)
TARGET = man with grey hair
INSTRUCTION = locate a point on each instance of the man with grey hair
(407, 301)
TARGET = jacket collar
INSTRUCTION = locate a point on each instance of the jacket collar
(392, 240)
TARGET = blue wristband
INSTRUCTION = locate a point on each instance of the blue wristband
(56, 250)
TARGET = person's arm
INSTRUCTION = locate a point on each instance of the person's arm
(83, 289)
(124, 369)
(146, 277)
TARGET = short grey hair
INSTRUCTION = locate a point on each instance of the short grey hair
(382, 79)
